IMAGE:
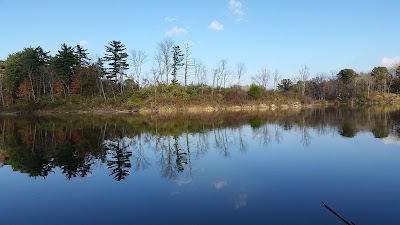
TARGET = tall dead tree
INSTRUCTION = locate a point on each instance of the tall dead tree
(139, 58)
(164, 49)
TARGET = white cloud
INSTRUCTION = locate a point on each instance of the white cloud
(215, 25)
(391, 140)
(389, 62)
(83, 43)
(235, 7)
(240, 200)
(176, 31)
(170, 19)
(183, 181)
(220, 184)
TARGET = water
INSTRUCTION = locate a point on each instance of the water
(233, 168)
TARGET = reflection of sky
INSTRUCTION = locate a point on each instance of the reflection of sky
(280, 178)
(391, 140)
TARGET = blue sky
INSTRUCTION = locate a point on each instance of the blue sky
(324, 35)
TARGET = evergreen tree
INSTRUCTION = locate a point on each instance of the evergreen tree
(116, 57)
(64, 64)
(82, 56)
(347, 75)
(177, 63)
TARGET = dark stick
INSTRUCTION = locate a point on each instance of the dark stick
(326, 206)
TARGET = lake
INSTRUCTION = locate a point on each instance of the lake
(274, 167)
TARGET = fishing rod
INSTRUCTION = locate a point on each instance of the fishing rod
(331, 210)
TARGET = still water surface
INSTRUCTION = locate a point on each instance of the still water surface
(234, 168)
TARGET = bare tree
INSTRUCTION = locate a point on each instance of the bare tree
(223, 72)
(215, 73)
(139, 58)
(240, 71)
(200, 73)
(164, 50)
(187, 47)
(158, 65)
(262, 77)
(277, 77)
(304, 74)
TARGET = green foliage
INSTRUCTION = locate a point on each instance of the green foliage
(82, 56)
(116, 58)
(255, 122)
(285, 85)
(255, 92)
(177, 57)
(348, 130)
(380, 73)
(347, 75)
(64, 64)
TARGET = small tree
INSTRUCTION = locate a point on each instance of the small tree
(285, 85)
(255, 92)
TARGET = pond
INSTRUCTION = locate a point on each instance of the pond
(274, 167)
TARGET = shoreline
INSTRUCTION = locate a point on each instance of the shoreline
(173, 109)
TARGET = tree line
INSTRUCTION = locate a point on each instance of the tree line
(33, 73)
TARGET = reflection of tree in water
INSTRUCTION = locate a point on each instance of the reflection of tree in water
(119, 161)
(141, 162)
(174, 158)
(38, 147)
(242, 143)
(223, 141)
(263, 135)
(286, 125)
(305, 136)
(348, 130)
(71, 162)
(181, 156)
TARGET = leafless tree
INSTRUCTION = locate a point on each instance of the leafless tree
(186, 75)
(200, 73)
(164, 50)
(277, 77)
(304, 74)
(220, 74)
(240, 71)
(262, 77)
(139, 58)
(223, 72)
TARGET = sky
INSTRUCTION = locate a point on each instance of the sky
(278, 35)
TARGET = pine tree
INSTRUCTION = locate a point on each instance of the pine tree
(177, 58)
(82, 56)
(116, 57)
(64, 64)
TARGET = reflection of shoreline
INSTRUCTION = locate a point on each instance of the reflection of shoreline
(36, 146)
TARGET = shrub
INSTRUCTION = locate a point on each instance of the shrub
(255, 92)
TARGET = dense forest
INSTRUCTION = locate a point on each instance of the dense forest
(34, 79)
